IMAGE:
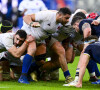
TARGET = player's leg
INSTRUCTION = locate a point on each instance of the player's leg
(39, 59)
(92, 66)
(15, 71)
(4, 69)
(27, 62)
(69, 51)
(84, 59)
(91, 51)
(58, 59)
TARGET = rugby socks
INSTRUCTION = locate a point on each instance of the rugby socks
(33, 67)
(26, 63)
(91, 66)
(77, 72)
(66, 73)
(77, 75)
(97, 70)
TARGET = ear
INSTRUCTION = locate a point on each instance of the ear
(14, 35)
(60, 15)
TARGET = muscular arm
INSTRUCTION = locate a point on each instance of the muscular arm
(17, 52)
(86, 30)
(29, 18)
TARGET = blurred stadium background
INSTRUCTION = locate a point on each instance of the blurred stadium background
(9, 8)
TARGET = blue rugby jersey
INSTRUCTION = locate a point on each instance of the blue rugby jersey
(95, 28)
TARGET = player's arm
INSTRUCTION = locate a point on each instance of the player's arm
(30, 20)
(86, 28)
(84, 59)
(97, 21)
(21, 13)
(18, 52)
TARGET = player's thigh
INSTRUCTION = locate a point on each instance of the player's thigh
(57, 48)
(41, 49)
(31, 48)
(70, 54)
(57, 51)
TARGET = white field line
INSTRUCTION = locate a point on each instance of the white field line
(4, 87)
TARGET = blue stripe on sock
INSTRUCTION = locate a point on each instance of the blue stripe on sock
(66, 73)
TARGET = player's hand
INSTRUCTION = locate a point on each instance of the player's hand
(30, 38)
(95, 22)
(35, 24)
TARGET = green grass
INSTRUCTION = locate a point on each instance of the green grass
(51, 85)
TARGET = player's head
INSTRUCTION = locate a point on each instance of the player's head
(63, 15)
(75, 22)
(81, 14)
(19, 37)
(5, 26)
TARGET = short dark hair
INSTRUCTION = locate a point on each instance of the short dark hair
(64, 11)
(75, 19)
(21, 33)
(81, 14)
(5, 26)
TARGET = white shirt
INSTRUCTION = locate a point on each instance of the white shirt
(6, 41)
(48, 26)
(32, 6)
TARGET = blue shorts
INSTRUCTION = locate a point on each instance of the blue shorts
(94, 51)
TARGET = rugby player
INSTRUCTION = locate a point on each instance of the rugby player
(5, 26)
(91, 51)
(48, 22)
(15, 45)
(84, 26)
(91, 69)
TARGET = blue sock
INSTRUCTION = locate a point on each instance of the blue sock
(26, 63)
(97, 70)
(66, 73)
(33, 67)
(91, 66)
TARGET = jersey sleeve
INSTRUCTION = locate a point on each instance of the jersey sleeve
(41, 16)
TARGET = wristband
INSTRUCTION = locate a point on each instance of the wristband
(31, 23)
(26, 42)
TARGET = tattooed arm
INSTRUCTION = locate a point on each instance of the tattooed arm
(86, 28)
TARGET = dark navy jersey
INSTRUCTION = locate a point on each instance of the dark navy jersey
(95, 29)
(94, 51)
(97, 17)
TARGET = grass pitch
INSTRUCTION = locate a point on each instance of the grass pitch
(51, 85)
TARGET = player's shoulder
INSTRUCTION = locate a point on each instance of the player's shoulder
(84, 21)
(47, 12)
(7, 35)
